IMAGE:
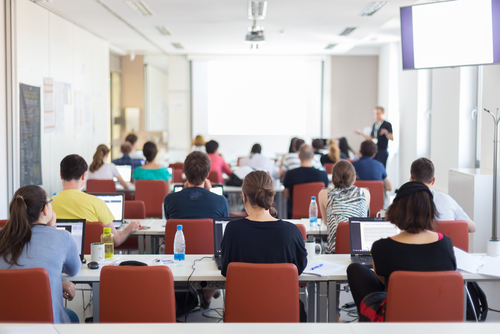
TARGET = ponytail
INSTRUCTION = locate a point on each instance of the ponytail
(98, 160)
(334, 151)
(258, 187)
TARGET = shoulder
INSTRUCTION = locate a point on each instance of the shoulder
(382, 244)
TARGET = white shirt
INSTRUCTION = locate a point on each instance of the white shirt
(105, 172)
(448, 208)
(259, 162)
(292, 161)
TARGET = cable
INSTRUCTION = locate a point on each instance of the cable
(190, 284)
(493, 310)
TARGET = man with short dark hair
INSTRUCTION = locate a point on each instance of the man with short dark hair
(306, 173)
(196, 201)
(422, 170)
(72, 203)
(126, 149)
(133, 140)
(369, 169)
(292, 160)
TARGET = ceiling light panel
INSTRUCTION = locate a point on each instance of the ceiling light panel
(140, 7)
(164, 30)
(257, 10)
(372, 8)
(178, 45)
(347, 31)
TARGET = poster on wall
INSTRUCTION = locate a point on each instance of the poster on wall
(49, 117)
(30, 131)
(59, 103)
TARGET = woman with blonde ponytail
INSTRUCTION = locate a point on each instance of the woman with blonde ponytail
(29, 240)
(100, 169)
(333, 153)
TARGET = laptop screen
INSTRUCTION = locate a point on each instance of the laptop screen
(216, 188)
(76, 227)
(219, 229)
(125, 172)
(115, 203)
(364, 232)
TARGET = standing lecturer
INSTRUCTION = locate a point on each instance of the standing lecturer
(382, 132)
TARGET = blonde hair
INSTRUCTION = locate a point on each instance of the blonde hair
(98, 160)
(199, 140)
(334, 150)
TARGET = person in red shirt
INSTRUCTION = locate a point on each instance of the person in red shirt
(218, 163)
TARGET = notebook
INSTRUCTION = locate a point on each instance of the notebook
(76, 227)
(116, 204)
(216, 188)
(363, 232)
(219, 228)
(125, 172)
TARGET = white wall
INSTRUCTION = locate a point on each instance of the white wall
(491, 101)
(50, 46)
(4, 198)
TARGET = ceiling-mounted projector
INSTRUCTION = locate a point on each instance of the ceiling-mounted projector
(255, 35)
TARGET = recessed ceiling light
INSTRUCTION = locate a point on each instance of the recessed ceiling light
(257, 10)
(164, 30)
(178, 45)
(330, 46)
(347, 31)
(139, 7)
(372, 8)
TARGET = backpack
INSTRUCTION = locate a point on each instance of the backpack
(477, 305)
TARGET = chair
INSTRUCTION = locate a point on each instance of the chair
(93, 231)
(328, 168)
(302, 194)
(177, 165)
(425, 297)
(213, 177)
(25, 296)
(152, 193)
(177, 177)
(134, 210)
(137, 294)
(100, 186)
(238, 214)
(456, 230)
(199, 235)
(278, 289)
(303, 231)
(376, 189)
(342, 239)
(3, 222)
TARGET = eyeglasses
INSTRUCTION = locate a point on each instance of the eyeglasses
(50, 201)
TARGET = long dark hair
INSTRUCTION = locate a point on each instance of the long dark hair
(98, 160)
(25, 209)
(344, 147)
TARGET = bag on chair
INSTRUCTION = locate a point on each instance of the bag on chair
(476, 298)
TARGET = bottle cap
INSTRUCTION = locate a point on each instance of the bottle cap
(179, 227)
(107, 230)
(313, 198)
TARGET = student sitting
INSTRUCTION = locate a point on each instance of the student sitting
(198, 144)
(422, 170)
(346, 151)
(72, 203)
(29, 240)
(291, 160)
(151, 170)
(217, 161)
(259, 162)
(100, 170)
(415, 248)
(133, 140)
(369, 169)
(342, 202)
(126, 149)
(333, 153)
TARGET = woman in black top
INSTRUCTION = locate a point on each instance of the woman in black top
(415, 248)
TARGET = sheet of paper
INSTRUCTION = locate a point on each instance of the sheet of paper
(49, 118)
(323, 268)
(491, 267)
(468, 262)
(36, 329)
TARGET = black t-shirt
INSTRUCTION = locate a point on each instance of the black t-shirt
(382, 141)
(263, 242)
(325, 159)
(195, 203)
(389, 256)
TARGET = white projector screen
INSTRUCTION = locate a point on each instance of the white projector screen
(266, 100)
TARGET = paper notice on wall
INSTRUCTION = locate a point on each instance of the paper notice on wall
(67, 94)
(79, 115)
(59, 103)
(88, 125)
(49, 119)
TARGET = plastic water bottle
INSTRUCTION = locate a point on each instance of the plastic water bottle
(179, 246)
(313, 213)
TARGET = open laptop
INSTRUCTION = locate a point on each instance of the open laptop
(363, 232)
(76, 227)
(219, 228)
(125, 172)
(116, 204)
(216, 188)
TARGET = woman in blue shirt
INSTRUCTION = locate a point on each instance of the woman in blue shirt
(151, 170)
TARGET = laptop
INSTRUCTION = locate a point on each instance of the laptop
(116, 204)
(76, 227)
(216, 188)
(219, 228)
(363, 232)
(125, 172)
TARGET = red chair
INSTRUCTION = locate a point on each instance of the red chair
(456, 230)
(177, 165)
(93, 231)
(425, 297)
(238, 214)
(199, 235)
(213, 177)
(376, 189)
(303, 231)
(134, 210)
(152, 193)
(342, 239)
(137, 295)
(100, 186)
(25, 296)
(3, 222)
(177, 177)
(328, 168)
(302, 194)
(278, 289)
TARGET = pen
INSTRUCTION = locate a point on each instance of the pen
(318, 266)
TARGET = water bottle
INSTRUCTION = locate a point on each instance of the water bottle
(179, 246)
(107, 238)
(313, 213)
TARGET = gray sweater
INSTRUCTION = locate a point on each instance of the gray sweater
(55, 251)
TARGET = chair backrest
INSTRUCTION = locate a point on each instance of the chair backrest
(342, 239)
(198, 233)
(93, 231)
(328, 168)
(136, 294)
(177, 165)
(134, 210)
(278, 289)
(213, 177)
(303, 230)
(3, 222)
(152, 193)
(302, 198)
(100, 186)
(376, 189)
(425, 297)
(25, 295)
(177, 177)
(456, 230)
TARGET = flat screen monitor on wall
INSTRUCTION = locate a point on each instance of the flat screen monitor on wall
(450, 33)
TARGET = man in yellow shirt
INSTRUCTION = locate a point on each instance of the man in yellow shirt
(72, 203)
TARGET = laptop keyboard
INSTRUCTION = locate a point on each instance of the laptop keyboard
(365, 258)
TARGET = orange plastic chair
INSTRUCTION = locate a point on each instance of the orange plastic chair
(177, 165)
(3, 222)
(199, 235)
(137, 294)
(328, 168)
(342, 239)
(303, 231)
(134, 210)
(93, 231)
(456, 230)
(100, 186)
(302, 194)
(177, 177)
(376, 189)
(278, 286)
(152, 193)
(25, 296)
(238, 214)
(425, 297)
(213, 177)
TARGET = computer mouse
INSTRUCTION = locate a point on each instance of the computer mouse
(93, 265)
